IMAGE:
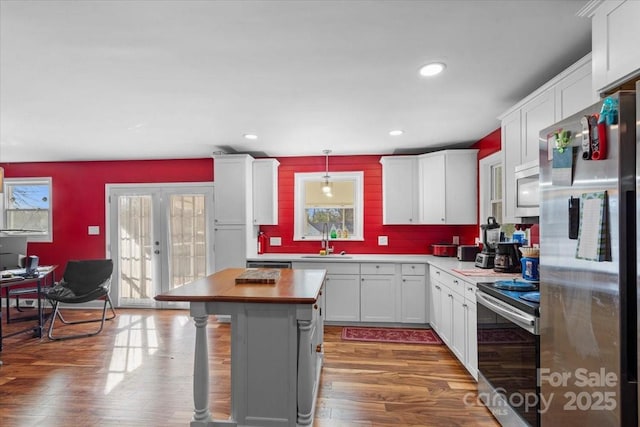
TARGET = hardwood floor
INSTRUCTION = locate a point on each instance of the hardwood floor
(138, 372)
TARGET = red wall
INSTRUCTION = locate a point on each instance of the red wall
(79, 201)
(79, 198)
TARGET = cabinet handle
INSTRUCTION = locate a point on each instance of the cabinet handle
(413, 267)
(362, 279)
(455, 281)
(450, 296)
(377, 266)
(320, 293)
(437, 287)
(437, 272)
(319, 348)
(470, 289)
(465, 305)
(404, 280)
(315, 306)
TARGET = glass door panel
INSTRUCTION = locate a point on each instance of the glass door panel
(159, 240)
(135, 249)
(188, 243)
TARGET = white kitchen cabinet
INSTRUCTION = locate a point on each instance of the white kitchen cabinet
(564, 95)
(232, 188)
(615, 37)
(265, 191)
(342, 290)
(454, 316)
(435, 318)
(536, 114)
(378, 293)
(234, 237)
(413, 293)
(448, 187)
(229, 246)
(574, 92)
(399, 190)
(458, 325)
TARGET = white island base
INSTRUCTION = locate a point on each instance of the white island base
(276, 359)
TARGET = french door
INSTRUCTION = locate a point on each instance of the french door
(159, 239)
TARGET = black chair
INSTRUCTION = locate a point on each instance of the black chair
(83, 281)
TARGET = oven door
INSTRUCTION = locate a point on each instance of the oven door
(508, 362)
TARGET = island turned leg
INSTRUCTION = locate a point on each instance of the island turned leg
(305, 372)
(201, 414)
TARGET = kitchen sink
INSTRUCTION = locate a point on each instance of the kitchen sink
(326, 256)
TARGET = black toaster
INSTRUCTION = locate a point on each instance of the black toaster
(467, 252)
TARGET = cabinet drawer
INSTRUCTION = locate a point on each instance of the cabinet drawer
(387, 269)
(331, 267)
(449, 280)
(469, 292)
(413, 269)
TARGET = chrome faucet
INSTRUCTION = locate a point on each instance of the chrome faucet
(325, 239)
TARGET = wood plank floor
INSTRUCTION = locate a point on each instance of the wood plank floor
(138, 372)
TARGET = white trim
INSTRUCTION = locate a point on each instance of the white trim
(298, 209)
(484, 176)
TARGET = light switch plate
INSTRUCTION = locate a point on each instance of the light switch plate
(94, 230)
(383, 240)
(275, 241)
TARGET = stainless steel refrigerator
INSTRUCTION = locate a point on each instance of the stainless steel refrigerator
(588, 269)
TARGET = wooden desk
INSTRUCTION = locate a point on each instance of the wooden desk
(276, 345)
(45, 274)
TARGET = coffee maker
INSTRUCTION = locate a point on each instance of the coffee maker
(507, 259)
(490, 240)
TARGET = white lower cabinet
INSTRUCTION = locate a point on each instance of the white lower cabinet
(341, 292)
(413, 294)
(373, 292)
(342, 298)
(378, 293)
(454, 316)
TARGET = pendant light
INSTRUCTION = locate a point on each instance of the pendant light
(326, 185)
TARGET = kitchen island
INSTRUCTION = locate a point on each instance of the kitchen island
(276, 345)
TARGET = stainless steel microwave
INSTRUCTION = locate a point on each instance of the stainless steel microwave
(527, 189)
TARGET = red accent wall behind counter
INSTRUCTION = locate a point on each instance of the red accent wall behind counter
(79, 198)
(403, 239)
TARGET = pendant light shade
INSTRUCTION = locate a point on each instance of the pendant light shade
(326, 185)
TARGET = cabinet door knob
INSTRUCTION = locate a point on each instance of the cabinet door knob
(319, 348)
(437, 272)
(320, 293)
(315, 306)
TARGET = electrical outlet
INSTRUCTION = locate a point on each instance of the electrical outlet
(93, 230)
(383, 240)
(275, 241)
(456, 240)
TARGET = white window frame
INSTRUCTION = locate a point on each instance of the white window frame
(31, 237)
(486, 185)
(299, 212)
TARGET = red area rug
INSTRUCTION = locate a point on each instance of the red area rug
(405, 336)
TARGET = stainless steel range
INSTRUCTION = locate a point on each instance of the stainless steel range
(509, 350)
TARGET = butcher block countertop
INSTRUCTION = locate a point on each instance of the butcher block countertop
(293, 287)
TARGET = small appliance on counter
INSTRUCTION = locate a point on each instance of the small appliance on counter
(444, 249)
(490, 239)
(467, 252)
(507, 258)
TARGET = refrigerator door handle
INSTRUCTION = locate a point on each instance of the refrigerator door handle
(526, 322)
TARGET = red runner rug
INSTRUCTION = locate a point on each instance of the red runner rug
(396, 335)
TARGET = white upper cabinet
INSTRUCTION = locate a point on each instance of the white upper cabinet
(536, 114)
(564, 95)
(448, 187)
(265, 192)
(232, 188)
(399, 190)
(615, 42)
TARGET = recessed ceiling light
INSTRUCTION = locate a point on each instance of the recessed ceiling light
(432, 69)
(396, 132)
(250, 136)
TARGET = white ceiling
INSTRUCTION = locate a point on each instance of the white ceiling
(93, 80)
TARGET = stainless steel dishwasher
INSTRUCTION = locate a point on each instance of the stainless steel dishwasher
(268, 264)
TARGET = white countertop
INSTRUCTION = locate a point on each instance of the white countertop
(445, 263)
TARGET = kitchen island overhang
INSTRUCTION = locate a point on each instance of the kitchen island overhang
(276, 345)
